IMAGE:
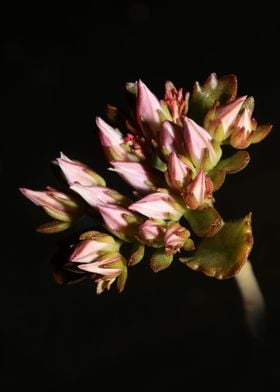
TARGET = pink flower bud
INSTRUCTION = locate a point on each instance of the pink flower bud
(56, 204)
(92, 245)
(197, 141)
(112, 141)
(198, 191)
(158, 206)
(96, 195)
(151, 232)
(75, 171)
(171, 138)
(103, 265)
(138, 175)
(178, 172)
(245, 126)
(120, 221)
(148, 111)
(87, 251)
(226, 116)
(175, 237)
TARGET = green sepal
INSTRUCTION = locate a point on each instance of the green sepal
(121, 280)
(203, 97)
(223, 255)
(260, 133)
(160, 260)
(54, 226)
(205, 222)
(137, 255)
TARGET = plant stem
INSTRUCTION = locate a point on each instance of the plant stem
(253, 301)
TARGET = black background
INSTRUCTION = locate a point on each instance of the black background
(177, 330)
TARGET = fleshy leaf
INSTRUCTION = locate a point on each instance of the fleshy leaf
(217, 177)
(137, 254)
(189, 245)
(222, 89)
(159, 260)
(122, 278)
(235, 163)
(54, 226)
(260, 133)
(205, 222)
(223, 255)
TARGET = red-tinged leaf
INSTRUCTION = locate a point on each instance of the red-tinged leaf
(160, 260)
(53, 227)
(122, 278)
(260, 133)
(137, 254)
(223, 255)
(235, 163)
(205, 222)
(217, 177)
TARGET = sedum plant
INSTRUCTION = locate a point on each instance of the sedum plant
(170, 151)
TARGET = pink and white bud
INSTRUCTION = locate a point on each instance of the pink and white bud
(112, 141)
(227, 115)
(77, 172)
(198, 191)
(56, 204)
(87, 251)
(171, 138)
(105, 265)
(97, 195)
(138, 175)
(92, 245)
(175, 237)
(151, 232)
(158, 205)
(178, 172)
(197, 141)
(245, 126)
(120, 221)
(148, 111)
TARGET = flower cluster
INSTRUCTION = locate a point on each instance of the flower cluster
(170, 152)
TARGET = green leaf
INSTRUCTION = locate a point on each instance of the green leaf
(223, 255)
(160, 260)
(203, 97)
(204, 222)
(137, 255)
(235, 163)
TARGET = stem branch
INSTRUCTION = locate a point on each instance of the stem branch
(253, 301)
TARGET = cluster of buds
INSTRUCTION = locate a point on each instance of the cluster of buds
(170, 152)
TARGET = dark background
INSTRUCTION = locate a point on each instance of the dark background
(177, 330)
